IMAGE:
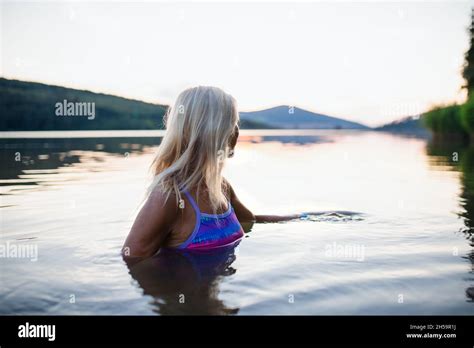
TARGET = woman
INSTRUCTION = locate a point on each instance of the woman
(190, 206)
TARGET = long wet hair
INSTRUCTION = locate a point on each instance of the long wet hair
(200, 127)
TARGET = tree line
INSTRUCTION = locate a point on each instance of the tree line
(457, 120)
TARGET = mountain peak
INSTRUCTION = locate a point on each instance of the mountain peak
(293, 117)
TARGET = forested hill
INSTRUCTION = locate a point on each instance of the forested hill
(34, 106)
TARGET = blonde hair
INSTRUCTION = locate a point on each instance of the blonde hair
(199, 127)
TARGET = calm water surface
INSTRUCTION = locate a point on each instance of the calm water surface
(402, 245)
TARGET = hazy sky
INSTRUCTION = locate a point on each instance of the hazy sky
(365, 61)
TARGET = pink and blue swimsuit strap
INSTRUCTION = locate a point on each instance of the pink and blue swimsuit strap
(212, 230)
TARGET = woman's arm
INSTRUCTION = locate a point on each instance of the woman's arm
(151, 227)
(245, 215)
(241, 211)
(276, 218)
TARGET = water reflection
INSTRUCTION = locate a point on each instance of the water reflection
(298, 140)
(183, 282)
(25, 161)
(459, 156)
(86, 193)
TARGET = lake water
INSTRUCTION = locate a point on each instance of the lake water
(68, 203)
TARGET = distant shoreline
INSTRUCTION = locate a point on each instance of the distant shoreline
(145, 133)
(31, 107)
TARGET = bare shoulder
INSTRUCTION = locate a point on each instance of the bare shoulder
(152, 225)
(158, 200)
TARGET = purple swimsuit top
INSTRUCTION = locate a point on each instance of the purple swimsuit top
(213, 230)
